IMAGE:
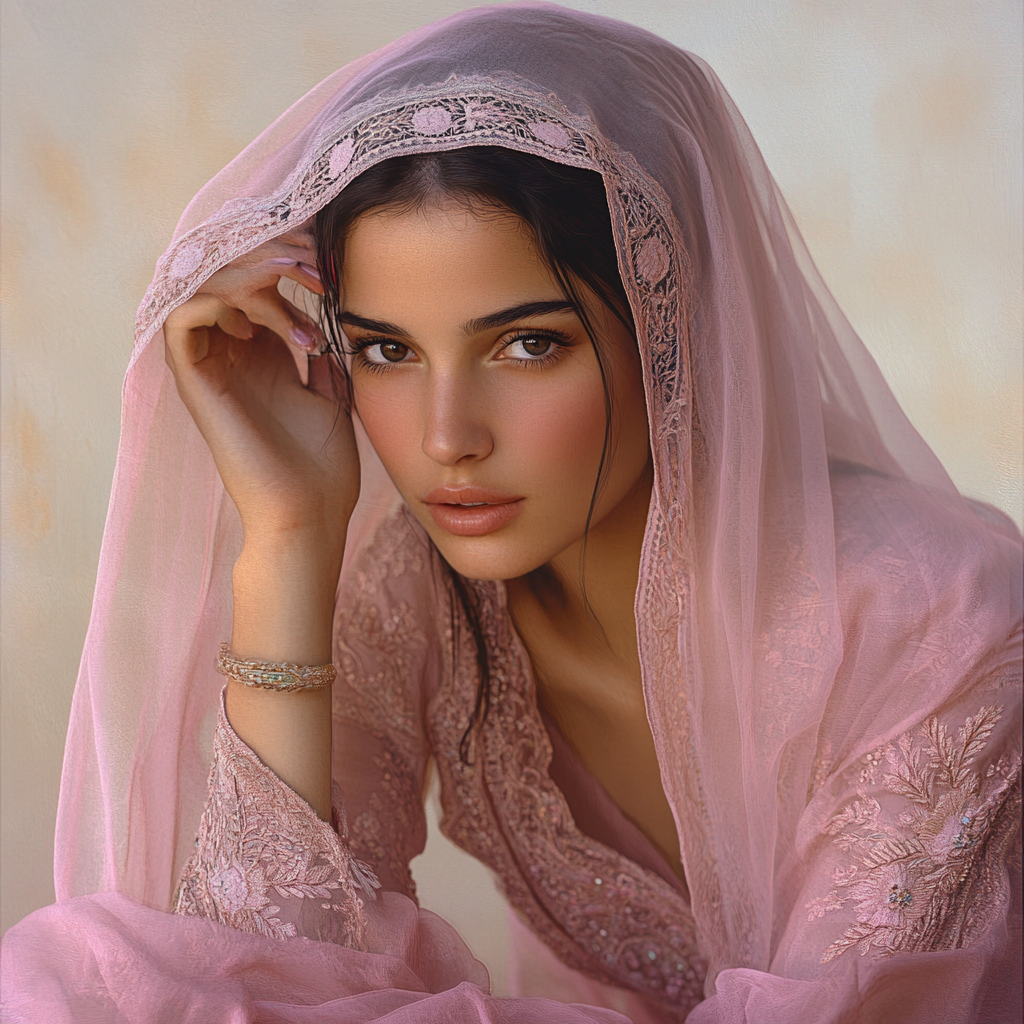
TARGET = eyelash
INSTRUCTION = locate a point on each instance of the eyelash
(357, 348)
(558, 341)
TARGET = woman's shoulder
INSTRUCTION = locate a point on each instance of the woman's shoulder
(929, 591)
(922, 552)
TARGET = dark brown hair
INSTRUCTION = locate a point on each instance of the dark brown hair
(565, 210)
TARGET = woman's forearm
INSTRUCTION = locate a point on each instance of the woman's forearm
(284, 589)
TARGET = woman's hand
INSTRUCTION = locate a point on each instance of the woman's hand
(285, 451)
(287, 455)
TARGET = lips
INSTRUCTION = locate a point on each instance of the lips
(471, 511)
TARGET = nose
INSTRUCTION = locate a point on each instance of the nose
(454, 425)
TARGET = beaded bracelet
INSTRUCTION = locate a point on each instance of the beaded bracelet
(282, 676)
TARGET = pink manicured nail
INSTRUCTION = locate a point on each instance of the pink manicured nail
(304, 337)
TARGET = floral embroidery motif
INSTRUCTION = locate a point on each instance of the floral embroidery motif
(432, 120)
(652, 261)
(186, 261)
(264, 863)
(341, 157)
(922, 881)
(551, 133)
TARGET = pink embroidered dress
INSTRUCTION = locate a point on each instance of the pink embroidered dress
(829, 637)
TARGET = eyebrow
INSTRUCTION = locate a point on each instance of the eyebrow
(482, 323)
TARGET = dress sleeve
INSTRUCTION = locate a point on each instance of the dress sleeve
(268, 868)
(907, 899)
(264, 862)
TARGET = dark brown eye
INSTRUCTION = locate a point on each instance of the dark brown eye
(531, 346)
(393, 351)
(386, 352)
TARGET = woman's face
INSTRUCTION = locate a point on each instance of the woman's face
(480, 390)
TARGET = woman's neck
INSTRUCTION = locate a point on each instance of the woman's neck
(585, 594)
(581, 638)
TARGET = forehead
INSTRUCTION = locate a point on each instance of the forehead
(442, 250)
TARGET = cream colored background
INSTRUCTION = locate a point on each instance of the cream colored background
(893, 127)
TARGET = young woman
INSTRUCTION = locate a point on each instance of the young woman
(719, 673)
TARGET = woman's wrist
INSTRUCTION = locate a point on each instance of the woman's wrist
(284, 591)
(284, 588)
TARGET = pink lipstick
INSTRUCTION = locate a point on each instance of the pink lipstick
(471, 511)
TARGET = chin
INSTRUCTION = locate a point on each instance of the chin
(489, 558)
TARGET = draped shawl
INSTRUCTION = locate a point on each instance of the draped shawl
(813, 588)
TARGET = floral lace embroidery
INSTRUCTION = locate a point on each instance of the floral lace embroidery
(380, 646)
(927, 879)
(456, 113)
(264, 863)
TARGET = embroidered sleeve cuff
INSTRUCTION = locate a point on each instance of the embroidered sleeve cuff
(264, 862)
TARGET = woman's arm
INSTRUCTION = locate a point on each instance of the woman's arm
(267, 858)
(284, 589)
(264, 861)
(906, 902)
(286, 453)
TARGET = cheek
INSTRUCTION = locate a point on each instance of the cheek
(555, 435)
(389, 413)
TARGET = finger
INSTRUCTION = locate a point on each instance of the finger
(201, 310)
(187, 350)
(304, 274)
(284, 247)
(236, 323)
(271, 309)
(301, 364)
(309, 271)
(186, 330)
(255, 270)
(282, 253)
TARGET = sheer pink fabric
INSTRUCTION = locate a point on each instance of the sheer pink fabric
(829, 633)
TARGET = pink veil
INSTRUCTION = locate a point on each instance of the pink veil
(778, 449)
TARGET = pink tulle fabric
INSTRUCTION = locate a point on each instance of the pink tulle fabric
(829, 635)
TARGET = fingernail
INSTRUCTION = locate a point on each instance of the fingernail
(311, 270)
(304, 337)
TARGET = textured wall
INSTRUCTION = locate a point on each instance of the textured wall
(893, 128)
